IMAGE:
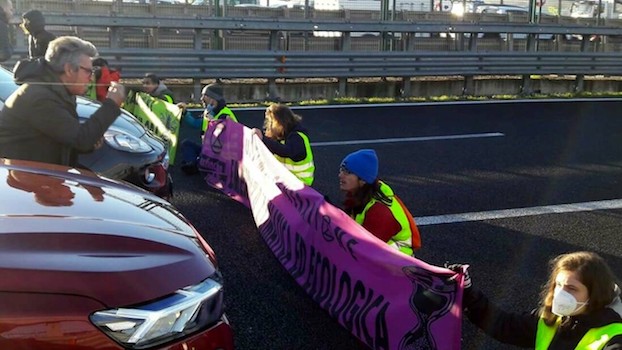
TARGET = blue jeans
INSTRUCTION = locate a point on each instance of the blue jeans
(190, 151)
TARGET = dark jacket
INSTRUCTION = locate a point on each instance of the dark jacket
(39, 38)
(293, 148)
(520, 329)
(163, 93)
(39, 120)
(6, 49)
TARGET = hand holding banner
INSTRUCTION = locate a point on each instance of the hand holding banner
(386, 299)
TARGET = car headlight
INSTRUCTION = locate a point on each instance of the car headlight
(123, 141)
(183, 312)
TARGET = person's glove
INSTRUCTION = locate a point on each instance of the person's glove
(461, 269)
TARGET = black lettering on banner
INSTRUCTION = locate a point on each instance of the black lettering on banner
(382, 332)
(350, 311)
(234, 181)
(351, 303)
(325, 281)
(351, 306)
(344, 290)
(309, 211)
(214, 168)
(311, 274)
(298, 268)
(269, 233)
(326, 231)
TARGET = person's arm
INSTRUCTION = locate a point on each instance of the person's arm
(506, 327)
(50, 117)
(60, 124)
(293, 147)
(380, 222)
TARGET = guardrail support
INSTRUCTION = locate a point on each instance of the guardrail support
(579, 84)
(346, 45)
(468, 86)
(526, 80)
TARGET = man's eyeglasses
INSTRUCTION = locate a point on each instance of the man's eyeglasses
(88, 70)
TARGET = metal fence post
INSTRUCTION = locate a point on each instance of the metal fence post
(410, 47)
(525, 88)
(579, 84)
(273, 44)
(468, 86)
(346, 45)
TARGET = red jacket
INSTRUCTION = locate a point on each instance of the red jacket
(103, 82)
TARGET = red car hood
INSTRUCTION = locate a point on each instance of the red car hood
(62, 231)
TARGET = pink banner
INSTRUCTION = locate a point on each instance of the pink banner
(386, 299)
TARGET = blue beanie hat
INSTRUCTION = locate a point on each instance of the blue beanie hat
(362, 163)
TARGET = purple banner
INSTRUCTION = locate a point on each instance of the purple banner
(386, 299)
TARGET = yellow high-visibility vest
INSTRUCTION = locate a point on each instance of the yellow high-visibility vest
(303, 169)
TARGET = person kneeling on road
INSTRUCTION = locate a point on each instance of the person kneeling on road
(372, 203)
(215, 109)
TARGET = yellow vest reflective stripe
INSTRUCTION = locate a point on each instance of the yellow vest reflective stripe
(402, 241)
(90, 91)
(225, 111)
(594, 339)
(303, 169)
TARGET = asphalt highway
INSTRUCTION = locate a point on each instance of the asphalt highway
(531, 180)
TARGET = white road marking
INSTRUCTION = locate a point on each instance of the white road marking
(407, 139)
(519, 212)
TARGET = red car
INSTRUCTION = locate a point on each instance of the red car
(91, 263)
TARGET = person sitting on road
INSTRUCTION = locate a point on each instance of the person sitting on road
(372, 203)
(285, 136)
(579, 308)
(215, 109)
(156, 88)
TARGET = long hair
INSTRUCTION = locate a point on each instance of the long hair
(355, 203)
(591, 270)
(280, 121)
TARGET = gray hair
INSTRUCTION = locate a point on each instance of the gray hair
(68, 49)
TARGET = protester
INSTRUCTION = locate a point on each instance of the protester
(103, 75)
(6, 13)
(156, 88)
(39, 120)
(33, 24)
(215, 109)
(287, 139)
(577, 308)
(372, 203)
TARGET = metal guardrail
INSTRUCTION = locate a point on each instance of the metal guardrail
(272, 61)
(249, 24)
(283, 64)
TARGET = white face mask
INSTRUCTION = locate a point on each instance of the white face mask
(565, 304)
